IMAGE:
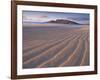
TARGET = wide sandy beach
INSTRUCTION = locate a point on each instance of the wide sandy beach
(55, 46)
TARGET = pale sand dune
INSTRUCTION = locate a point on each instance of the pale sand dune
(58, 48)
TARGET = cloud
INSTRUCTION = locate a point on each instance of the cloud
(35, 18)
(43, 16)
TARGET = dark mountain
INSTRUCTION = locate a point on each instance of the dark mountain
(62, 21)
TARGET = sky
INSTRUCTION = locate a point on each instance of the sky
(42, 16)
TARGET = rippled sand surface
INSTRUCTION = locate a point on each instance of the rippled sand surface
(55, 46)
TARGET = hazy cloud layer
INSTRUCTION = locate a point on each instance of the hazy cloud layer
(42, 16)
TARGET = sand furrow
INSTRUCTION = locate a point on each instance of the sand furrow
(28, 43)
(50, 50)
(60, 55)
(47, 54)
(71, 59)
(79, 57)
(86, 55)
(66, 49)
(72, 56)
(35, 44)
(46, 44)
(39, 50)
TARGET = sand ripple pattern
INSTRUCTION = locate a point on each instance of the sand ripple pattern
(57, 48)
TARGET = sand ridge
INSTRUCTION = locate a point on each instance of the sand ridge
(67, 47)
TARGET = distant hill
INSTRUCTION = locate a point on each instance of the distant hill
(62, 21)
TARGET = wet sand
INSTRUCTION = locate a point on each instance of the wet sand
(55, 46)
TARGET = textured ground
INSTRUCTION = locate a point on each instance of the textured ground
(55, 46)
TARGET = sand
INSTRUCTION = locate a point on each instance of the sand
(55, 47)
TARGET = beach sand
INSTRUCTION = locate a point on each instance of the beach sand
(55, 46)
